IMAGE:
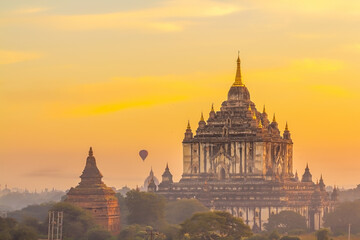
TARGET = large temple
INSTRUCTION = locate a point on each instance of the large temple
(239, 161)
(94, 196)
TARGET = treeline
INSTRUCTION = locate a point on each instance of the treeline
(18, 200)
(150, 216)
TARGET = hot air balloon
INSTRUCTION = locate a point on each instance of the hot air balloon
(143, 154)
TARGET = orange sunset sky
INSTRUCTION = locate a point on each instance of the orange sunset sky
(122, 76)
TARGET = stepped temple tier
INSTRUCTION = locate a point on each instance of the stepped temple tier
(93, 195)
(239, 161)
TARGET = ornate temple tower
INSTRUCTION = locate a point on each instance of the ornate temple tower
(94, 196)
(237, 142)
(238, 161)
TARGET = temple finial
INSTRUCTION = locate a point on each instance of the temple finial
(202, 117)
(249, 108)
(212, 108)
(254, 116)
(274, 119)
(264, 110)
(238, 79)
(260, 124)
(91, 152)
(188, 125)
(286, 127)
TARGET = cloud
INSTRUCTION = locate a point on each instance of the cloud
(332, 90)
(31, 10)
(318, 7)
(47, 172)
(9, 57)
(171, 16)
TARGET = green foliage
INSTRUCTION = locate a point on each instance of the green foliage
(286, 221)
(124, 211)
(98, 234)
(289, 238)
(274, 235)
(214, 225)
(322, 234)
(11, 230)
(171, 231)
(258, 237)
(137, 232)
(145, 208)
(178, 211)
(23, 233)
(345, 213)
(39, 212)
(76, 221)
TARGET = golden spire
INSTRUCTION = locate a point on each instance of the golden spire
(254, 116)
(249, 108)
(260, 125)
(202, 117)
(212, 108)
(286, 127)
(264, 110)
(188, 126)
(238, 80)
(274, 119)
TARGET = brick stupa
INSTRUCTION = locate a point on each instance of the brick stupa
(94, 196)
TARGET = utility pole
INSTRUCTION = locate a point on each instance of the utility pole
(349, 231)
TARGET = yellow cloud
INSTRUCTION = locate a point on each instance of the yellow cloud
(31, 10)
(318, 7)
(317, 65)
(332, 90)
(169, 17)
(8, 57)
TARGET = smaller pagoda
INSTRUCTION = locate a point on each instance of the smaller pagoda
(94, 196)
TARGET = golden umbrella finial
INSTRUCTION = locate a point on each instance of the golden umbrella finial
(264, 110)
(238, 79)
(188, 125)
(254, 116)
(274, 119)
(249, 108)
(212, 108)
(260, 124)
(202, 117)
(286, 127)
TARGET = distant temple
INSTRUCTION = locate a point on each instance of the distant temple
(239, 162)
(94, 196)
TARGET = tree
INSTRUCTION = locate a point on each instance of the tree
(274, 235)
(322, 234)
(124, 211)
(11, 230)
(289, 238)
(286, 221)
(145, 208)
(178, 211)
(214, 225)
(137, 232)
(98, 234)
(344, 214)
(76, 220)
(23, 233)
(39, 212)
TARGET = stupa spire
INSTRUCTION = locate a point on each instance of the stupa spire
(202, 117)
(188, 125)
(286, 127)
(238, 79)
(274, 118)
(212, 108)
(264, 110)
